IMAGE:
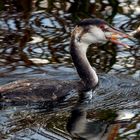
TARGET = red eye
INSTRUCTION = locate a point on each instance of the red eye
(102, 26)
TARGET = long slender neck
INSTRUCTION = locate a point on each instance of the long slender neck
(84, 69)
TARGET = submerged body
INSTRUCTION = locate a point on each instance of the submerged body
(111, 91)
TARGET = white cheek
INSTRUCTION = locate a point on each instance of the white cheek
(96, 35)
(88, 38)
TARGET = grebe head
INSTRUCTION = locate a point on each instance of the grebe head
(92, 31)
(87, 32)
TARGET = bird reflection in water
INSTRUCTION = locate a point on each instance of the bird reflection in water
(103, 125)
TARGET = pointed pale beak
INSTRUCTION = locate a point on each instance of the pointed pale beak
(114, 35)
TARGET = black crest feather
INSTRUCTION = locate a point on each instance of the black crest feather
(90, 21)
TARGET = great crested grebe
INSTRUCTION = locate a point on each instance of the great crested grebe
(87, 32)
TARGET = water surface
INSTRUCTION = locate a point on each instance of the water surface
(34, 43)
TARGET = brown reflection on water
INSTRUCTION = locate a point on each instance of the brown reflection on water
(35, 31)
(23, 124)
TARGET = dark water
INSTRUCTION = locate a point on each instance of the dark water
(34, 42)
